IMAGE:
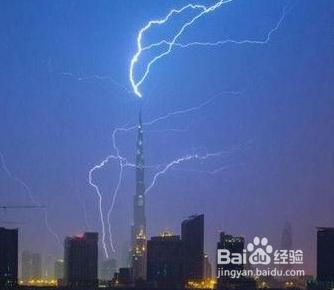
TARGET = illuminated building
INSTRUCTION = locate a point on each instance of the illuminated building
(138, 233)
(31, 266)
(325, 255)
(236, 246)
(40, 283)
(192, 233)
(207, 268)
(165, 261)
(203, 284)
(80, 260)
(8, 257)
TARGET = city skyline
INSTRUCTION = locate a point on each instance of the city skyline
(172, 261)
(263, 111)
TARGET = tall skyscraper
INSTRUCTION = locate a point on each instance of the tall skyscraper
(286, 243)
(234, 245)
(286, 239)
(138, 235)
(8, 257)
(207, 272)
(325, 254)
(80, 260)
(123, 278)
(165, 261)
(192, 232)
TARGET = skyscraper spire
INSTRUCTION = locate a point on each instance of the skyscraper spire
(139, 218)
(140, 186)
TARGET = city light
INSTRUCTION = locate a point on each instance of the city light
(203, 284)
(39, 282)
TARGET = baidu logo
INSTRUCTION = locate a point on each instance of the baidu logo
(260, 251)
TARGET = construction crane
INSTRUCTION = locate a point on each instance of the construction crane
(6, 207)
(21, 206)
(10, 222)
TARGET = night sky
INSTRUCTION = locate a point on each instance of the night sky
(64, 88)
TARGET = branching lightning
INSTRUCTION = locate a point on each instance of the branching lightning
(122, 163)
(31, 197)
(136, 80)
(97, 190)
(177, 162)
(166, 45)
(201, 10)
(98, 77)
(231, 41)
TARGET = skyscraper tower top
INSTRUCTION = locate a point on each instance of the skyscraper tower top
(286, 239)
(140, 185)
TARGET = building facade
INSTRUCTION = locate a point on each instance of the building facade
(207, 272)
(123, 277)
(165, 261)
(31, 266)
(81, 260)
(234, 245)
(325, 254)
(286, 243)
(8, 257)
(192, 233)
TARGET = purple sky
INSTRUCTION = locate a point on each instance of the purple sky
(57, 118)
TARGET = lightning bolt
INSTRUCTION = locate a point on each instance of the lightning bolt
(123, 163)
(177, 162)
(100, 198)
(201, 11)
(232, 41)
(98, 77)
(193, 156)
(31, 197)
